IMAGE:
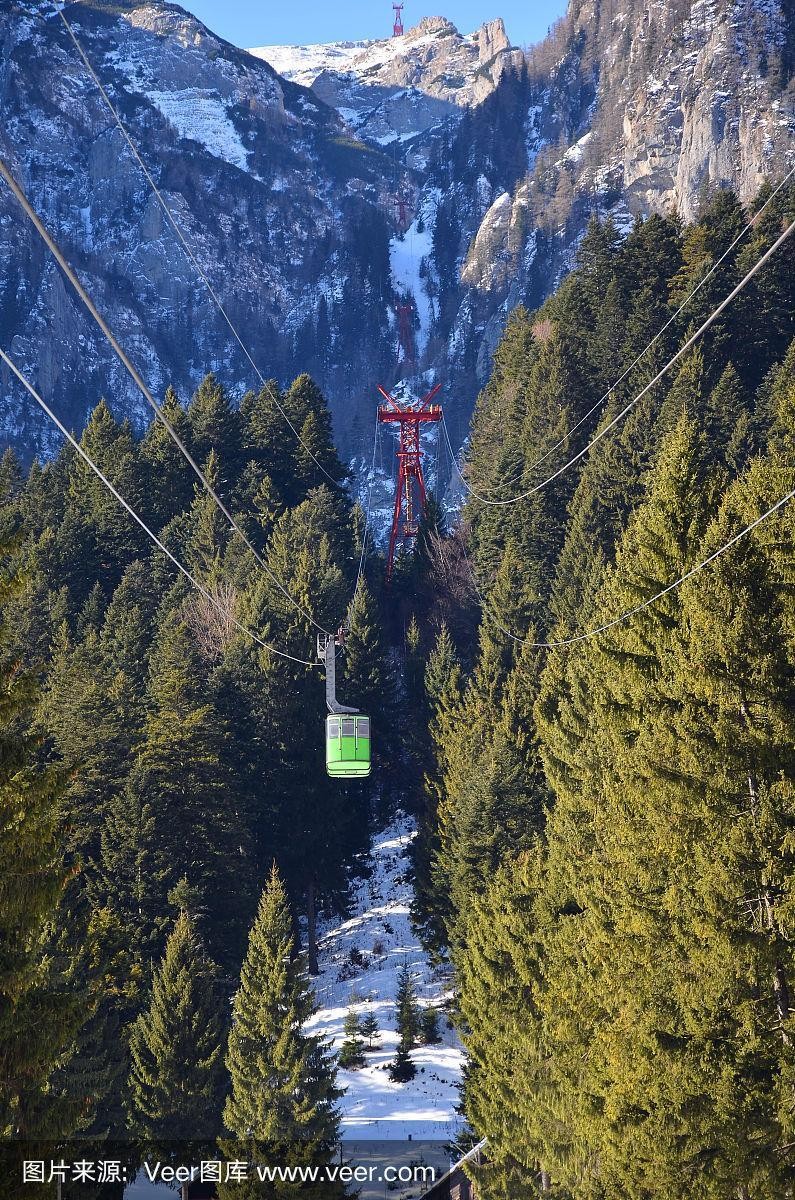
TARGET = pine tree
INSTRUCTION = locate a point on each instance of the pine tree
(370, 1028)
(369, 674)
(11, 479)
(723, 818)
(489, 803)
(84, 712)
(402, 1069)
(351, 1053)
(283, 1093)
(103, 538)
(210, 527)
(431, 906)
(495, 455)
(407, 1013)
(135, 874)
(761, 321)
(315, 456)
(612, 484)
(605, 933)
(511, 1091)
(168, 476)
(31, 885)
(429, 1026)
(214, 425)
(263, 432)
(369, 680)
(180, 812)
(728, 424)
(176, 1046)
(91, 1079)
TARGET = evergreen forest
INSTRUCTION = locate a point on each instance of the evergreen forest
(170, 835)
(609, 816)
(605, 805)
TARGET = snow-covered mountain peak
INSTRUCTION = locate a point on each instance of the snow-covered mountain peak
(400, 87)
(431, 25)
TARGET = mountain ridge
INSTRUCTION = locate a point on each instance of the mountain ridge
(289, 196)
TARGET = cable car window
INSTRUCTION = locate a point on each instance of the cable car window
(334, 729)
(363, 727)
(348, 727)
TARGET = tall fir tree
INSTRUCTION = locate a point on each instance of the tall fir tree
(167, 474)
(34, 994)
(603, 930)
(177, 1079)
(283, 1093)
(214, 425)
(181, 812)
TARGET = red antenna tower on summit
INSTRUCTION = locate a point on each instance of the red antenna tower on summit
(409, 465)
(398, 28)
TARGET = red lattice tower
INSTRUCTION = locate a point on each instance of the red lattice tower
(402, 208)
(405, 316)
(398, 28)
(410, 477)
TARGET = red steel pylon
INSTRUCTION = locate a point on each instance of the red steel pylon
(402, 208)
(398, 29)
(409, 465)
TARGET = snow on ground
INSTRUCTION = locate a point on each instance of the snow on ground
(575, 152)
(375, 1111)
(407, 254)
(381, 939)
(204, 118)
(303, 64)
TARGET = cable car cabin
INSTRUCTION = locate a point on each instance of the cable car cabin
(348, 746)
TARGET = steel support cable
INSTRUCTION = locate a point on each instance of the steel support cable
(630, 612)
(139, 521)
(43, 232)
(603, 399)
(691, 341)
(360, 572)
(186, 246)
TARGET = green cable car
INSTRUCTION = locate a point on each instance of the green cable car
(347, 730)
(348, 746)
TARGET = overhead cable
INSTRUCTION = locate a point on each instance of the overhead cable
(46, 237)
(222, 609)
(186, 245)
(691, 341)
(630, 612)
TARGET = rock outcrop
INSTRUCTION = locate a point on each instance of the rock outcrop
(287, 193)
(402, 87)
(280, 205)
(624, 112)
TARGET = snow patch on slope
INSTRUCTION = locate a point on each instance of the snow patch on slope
(373, 1107)
(303, 64)
(411, 261)
(203, 118)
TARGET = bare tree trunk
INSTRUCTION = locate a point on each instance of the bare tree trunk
(546, 1182)
(311, 929)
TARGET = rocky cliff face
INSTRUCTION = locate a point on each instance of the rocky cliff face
(403, 88)
(625, 112)
(287, 191)
(280, 204)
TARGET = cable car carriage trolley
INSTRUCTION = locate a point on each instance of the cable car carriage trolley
(347, 729)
